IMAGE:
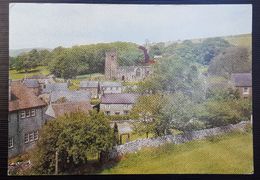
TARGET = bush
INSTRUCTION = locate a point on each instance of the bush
(120, 117)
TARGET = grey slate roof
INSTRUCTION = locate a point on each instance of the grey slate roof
(55, 87)
(31, 83)
(120, 98)
(89, 84)
(110, 84)
(242, 79)
(70, 96)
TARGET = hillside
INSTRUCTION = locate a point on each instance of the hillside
(244, 40)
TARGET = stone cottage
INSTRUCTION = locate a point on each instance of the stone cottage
(90, 86)
(118, 104)
(26, 117)
(110, 87)
(242, 82)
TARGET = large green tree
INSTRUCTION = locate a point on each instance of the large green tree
(76, 137)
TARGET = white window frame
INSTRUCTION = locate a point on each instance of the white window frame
(31, 136)
(10, 142)
(107, 106)
(108, 113)
(29, 113)
(22, 114)
(36, 135)
(26, 138)
(125, 106)
(126, 112)
(246, 91)
(33, 112)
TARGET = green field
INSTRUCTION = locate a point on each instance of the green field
(14, 75)
(244, 40)
(229, 154)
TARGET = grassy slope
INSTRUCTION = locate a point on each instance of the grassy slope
(240, 40)
(226, 155)
(13, 74)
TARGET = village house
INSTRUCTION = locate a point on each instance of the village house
(26, 117)
(60, 109)
(243, 83)
(69, 96)
(48, 88)
(110, 87)
(33, 84)
(118, 104)
(42, 80)
(90, 86)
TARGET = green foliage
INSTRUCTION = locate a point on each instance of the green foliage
(173, 75)
(201, 52)
(120, 117)
(222, 112)
(231, 60)
(88, 59)
(77, 137)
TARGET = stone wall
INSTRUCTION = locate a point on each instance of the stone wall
(137, 145)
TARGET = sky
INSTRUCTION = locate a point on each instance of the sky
(51, 25)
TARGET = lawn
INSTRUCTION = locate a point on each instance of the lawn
(14, 75)
(229, 154)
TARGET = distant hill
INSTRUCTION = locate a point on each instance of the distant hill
(16, 52)
(240, 40)
(244, 40)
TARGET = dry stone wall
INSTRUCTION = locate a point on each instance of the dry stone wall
(137, 145)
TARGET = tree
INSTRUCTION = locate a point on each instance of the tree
(231, 60)
(172, 75)
(147, 109)
(27, 61)
(76, 136)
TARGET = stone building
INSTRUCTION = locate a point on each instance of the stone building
(108, 87)
(118, 104)
(26, 117)
(90, 86)
(242, 82)
(125, 73)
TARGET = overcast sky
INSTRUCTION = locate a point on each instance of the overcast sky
(52, 25)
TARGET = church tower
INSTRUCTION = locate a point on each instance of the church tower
(111, 65)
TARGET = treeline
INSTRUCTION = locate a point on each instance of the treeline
(214, 53)
(77, 60)
(221, 57)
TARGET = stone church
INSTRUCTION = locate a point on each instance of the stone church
(125, 73)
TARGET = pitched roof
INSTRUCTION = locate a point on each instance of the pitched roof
(89, 84)
(71, 96)
(24, 97)
(110, 84)
(242, 79)
(55, 87)
(120, 98)
(31, 83)
(55, 110)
